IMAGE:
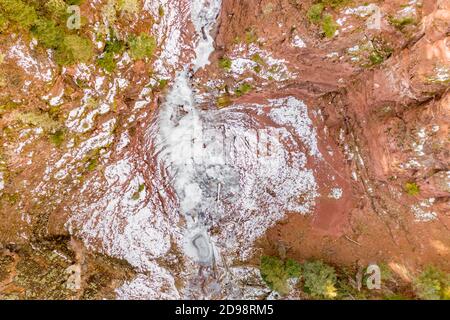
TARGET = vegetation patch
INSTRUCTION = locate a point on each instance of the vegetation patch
(250, 36)
(412, 189)
(142, 46)
(402, 23)
(57, 138)
(316, 15)
(113, 47)
(432, 284)
(223, 101)
(329, 26)
(225, 63)
(46, 22)
(35, 119)
(276, 273)
(242, 89)
(137, 194)
(74, 49)
(18, 12)
(319, 280)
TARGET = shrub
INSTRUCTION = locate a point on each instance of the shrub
(432, 284)
(48, 33)
(74, 49)
(412, 189)
(319, 280)
(293, 268)
(276, 273)
(57, 138)
(329, 26)
(114, 45)
(315, 12)
(107, 60)
(142, 46)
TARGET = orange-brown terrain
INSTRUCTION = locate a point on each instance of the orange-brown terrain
(176, 149)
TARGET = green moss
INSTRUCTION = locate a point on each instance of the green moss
(56, 9)
(18, 12)
(48, 33)
(329, 26)
(223, 101)
(293, 268)
(379, 54)
(243, 89)
(375, 58)
(386, 272)
(142, 46)
(412, 189)
(113, 47)
(92, 164)
(401, 23)
(319, 280)
(46, 21)
(162, 83)
(161, 11)
(314, 13)
(107, 62)
(225, 63)
(36, 119)
(276, 273)
(74, 49)
(57, 138)
(432, 284)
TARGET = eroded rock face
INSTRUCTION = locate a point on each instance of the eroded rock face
(246, 121)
